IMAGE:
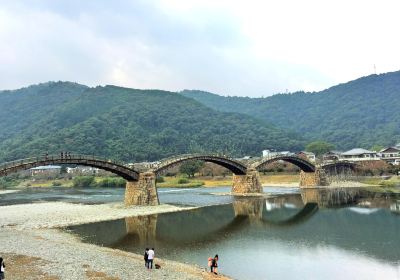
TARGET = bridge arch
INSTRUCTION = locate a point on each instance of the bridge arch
(115, 167)
(236, 167)
(340, 167)
(302, 163)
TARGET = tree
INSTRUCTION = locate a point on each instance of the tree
(376, 148)
(191, 167)
(84, 182)
(319, 147)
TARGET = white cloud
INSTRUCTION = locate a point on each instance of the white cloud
(229, 47)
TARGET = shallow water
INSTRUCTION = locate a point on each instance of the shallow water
(190, 196)
(315, 234)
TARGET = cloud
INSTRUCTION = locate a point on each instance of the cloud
(238, 48)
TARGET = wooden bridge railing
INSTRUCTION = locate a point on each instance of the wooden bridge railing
(66, 157)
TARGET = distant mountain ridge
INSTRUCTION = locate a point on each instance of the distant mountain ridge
(359, 113)
(126, 124)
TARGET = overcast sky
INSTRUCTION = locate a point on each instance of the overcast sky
(247, 48)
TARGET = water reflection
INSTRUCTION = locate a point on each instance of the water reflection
(324, 225)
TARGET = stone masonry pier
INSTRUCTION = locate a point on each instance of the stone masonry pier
(143, 191)
(247, 184)
(313, 179)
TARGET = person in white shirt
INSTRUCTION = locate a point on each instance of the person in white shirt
(150, 258)
(2, 269)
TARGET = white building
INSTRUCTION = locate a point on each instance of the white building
(331, 156)
(46, 170)
(390, 155)
(269, 153)
(359, 154)
(82, 170)
(307, 155)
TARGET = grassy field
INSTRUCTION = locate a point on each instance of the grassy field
(381, 185)
(173, 182)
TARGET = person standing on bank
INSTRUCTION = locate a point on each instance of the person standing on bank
(2, 269)
(150, 258)
(214, 265)
(146, 257)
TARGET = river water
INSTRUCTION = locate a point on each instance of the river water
(291, 234)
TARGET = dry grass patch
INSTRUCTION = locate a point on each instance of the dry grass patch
(21, 267)
(97, 275)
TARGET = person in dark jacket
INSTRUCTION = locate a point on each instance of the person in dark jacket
(146, 257)
(214, 265)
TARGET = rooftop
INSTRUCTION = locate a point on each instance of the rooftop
(46, 167)
(357, 151)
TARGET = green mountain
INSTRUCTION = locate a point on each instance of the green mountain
(360, 113)
(126, 124)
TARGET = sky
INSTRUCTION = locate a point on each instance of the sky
(243, 48)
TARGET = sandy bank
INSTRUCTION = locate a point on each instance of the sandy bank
(60, 214)
(32, 243)
(52, 254)
(8, 191)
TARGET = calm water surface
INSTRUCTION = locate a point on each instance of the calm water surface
(336, 234)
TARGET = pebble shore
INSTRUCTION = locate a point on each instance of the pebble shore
(32, 240)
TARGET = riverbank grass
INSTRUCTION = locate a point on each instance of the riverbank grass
(179, 182)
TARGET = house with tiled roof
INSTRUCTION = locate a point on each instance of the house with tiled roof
(359, 154)
(390, 155)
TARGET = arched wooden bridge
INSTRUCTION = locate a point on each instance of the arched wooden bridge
(303, 164)
(141, 186)
(115, 167)
(236, 167)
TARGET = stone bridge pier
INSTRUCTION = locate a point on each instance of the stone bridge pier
(249, 208)
(144, 227)
(248, 183)
(143, 191)
(313, 179)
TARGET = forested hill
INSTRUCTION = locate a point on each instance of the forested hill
(126, 124)
(360, 113)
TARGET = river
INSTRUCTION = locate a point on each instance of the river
(290, 234)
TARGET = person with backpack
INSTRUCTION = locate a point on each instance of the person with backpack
(2, 269)
(210, 264)
(146, 257)
(214, 265)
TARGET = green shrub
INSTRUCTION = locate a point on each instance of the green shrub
(111, 183)
(56, 184)
(84, 182)
(183, 181)
(160, 179)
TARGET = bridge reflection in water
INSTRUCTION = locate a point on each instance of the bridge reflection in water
(314, 216)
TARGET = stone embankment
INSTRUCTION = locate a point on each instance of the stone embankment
(34, 246)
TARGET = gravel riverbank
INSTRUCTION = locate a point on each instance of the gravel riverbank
(34, 247)
(8, 191)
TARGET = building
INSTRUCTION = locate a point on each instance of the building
(359, 154)
(269, 153)
(48, 170)
(390, 155)
(331, 156)
(307, 155)
(83, 170)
